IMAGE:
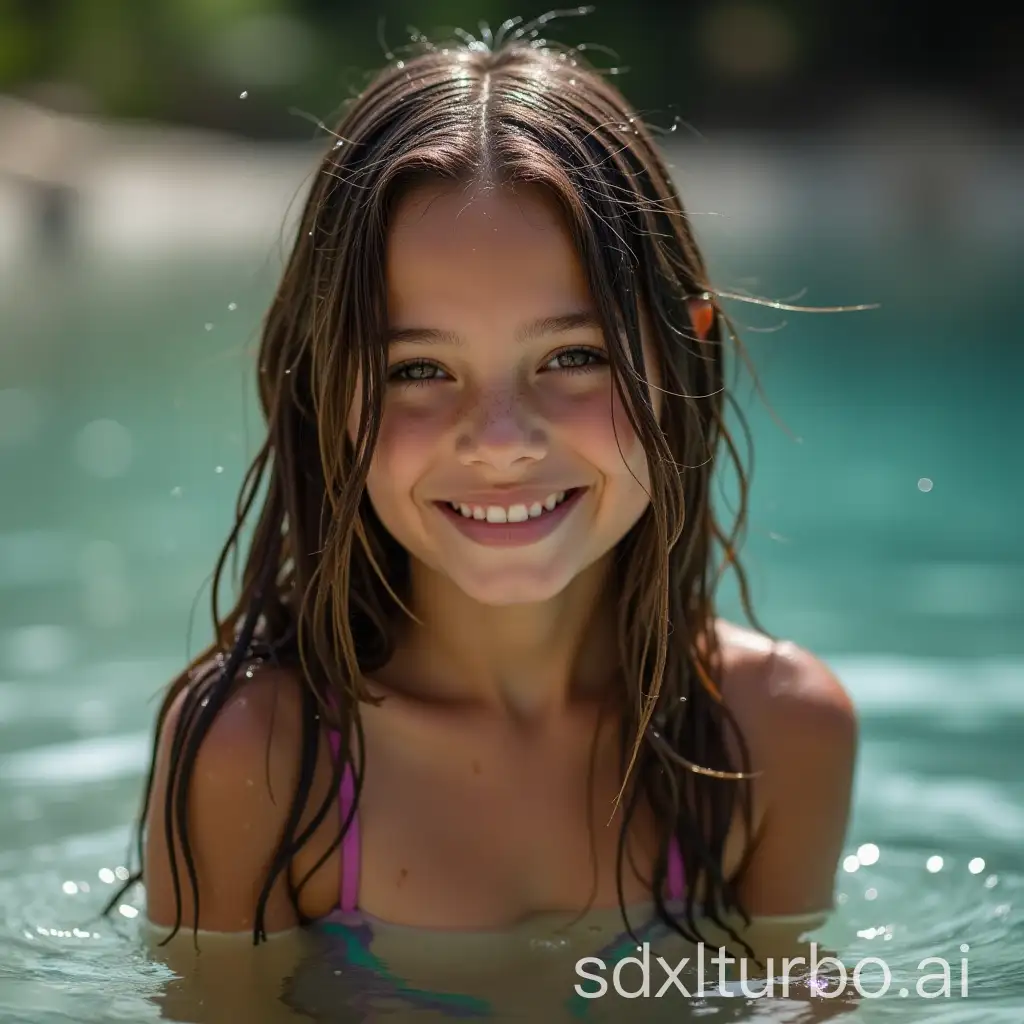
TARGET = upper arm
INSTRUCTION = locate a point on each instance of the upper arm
(241, 789)
(804, 742)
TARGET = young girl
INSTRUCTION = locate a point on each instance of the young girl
(475, 672)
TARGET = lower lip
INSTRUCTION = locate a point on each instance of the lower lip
(510, 535)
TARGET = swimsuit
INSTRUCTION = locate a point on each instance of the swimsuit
(351, 846)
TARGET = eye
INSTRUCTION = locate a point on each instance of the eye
(577, 360)
(416, 371)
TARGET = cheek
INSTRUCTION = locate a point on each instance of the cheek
(602, 432)
(406, 446)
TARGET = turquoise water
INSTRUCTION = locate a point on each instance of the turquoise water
(884, 536)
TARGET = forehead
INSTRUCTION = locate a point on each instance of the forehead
(456, 251)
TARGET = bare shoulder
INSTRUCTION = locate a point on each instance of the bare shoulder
(800, 727)
(782, 694)
(242, 778)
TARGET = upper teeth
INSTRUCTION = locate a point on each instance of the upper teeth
(511, 514)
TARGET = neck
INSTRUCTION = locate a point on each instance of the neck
(526, 661)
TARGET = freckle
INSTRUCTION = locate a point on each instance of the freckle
(401, 877)
(476, 767)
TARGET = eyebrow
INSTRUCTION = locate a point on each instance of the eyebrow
(538, 328)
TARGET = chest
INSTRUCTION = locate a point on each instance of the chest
(480, 829)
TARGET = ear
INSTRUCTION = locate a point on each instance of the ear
(702, 315)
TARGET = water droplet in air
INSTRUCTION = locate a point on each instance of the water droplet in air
(219, 469)
(232, 306)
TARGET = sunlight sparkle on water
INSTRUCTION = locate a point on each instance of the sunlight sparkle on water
(868, 853)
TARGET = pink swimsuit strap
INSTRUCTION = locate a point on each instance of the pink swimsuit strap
(351, 846)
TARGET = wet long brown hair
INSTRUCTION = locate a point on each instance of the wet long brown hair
(322, 583)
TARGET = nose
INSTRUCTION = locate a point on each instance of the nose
(501, 432)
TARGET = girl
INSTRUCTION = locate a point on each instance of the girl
(475, 672)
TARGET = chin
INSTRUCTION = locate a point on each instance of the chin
(501, 589)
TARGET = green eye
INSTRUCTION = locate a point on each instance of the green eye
(417, 371)
(578, 360)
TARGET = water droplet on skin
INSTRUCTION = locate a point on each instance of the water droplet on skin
(242, 95)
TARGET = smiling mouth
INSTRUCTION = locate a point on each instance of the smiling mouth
(506, 514)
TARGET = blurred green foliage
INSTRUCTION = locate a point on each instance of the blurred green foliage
(752, 62)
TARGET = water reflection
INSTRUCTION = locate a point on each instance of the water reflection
(355, 970)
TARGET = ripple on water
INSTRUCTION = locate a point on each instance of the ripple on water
(66, 961)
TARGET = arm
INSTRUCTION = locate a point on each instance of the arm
(804, 740)
(244, 776)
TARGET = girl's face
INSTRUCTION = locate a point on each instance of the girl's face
(500, 400)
